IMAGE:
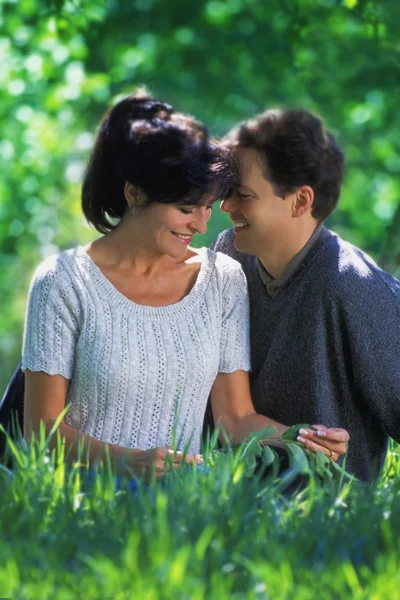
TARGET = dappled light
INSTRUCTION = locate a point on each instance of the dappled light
(239, 521)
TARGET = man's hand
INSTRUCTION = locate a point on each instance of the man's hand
(331, 441)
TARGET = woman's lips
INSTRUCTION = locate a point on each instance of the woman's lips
(184, 239)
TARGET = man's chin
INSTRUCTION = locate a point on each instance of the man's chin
(243, 247)
(237, 244)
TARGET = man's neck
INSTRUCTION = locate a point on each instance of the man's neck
(276, 259)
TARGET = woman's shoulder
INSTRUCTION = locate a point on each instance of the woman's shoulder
(57, 268)
(227, 270)
(224, 262)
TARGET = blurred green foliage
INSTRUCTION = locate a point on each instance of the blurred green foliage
(63, 62)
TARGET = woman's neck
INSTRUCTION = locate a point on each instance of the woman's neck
(125, 248)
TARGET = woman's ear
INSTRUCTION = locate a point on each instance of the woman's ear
(303, 201)
(131, 195)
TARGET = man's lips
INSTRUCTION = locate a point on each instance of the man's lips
(239, 225)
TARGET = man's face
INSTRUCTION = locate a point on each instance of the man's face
(261, 219)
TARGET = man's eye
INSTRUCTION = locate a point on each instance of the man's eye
(243, 195)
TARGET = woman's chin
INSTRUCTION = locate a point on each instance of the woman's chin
(177, 253)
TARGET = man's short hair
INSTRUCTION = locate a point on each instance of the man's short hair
(296, 149)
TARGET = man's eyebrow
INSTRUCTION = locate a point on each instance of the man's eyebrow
(242, 186)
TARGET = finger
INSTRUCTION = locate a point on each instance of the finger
(332, 455)
(320, 427)
(308, 443)
(339, 448)
(313, 447)
(175, 455)
(331, 444)
(194, 459)
(339, 433)
(335, 434)
(311, 433)
(163, 452)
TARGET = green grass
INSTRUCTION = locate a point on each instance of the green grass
(220, 534)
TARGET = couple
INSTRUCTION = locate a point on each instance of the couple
(137, 330)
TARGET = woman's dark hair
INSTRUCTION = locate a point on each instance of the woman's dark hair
(166, 155)
(296, 150)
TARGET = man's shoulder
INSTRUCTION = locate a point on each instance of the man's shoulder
(225, 243)
(350, 270)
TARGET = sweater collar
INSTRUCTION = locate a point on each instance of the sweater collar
(275, 286)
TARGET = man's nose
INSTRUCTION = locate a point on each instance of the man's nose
(228, 205)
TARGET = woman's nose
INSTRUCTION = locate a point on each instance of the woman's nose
(200, 223)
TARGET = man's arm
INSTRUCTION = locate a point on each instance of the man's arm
(372, 318)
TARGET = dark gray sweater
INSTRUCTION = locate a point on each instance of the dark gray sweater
(326, 348)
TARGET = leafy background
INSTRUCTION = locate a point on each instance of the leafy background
(63, 62)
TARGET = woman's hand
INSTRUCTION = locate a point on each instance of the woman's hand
(331, 441)
(160, 460)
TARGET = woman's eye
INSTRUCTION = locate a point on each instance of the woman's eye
(189, 211)
(210, 207)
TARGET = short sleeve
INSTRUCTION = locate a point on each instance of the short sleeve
(235, 343)
(52, 321)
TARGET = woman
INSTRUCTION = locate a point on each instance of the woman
(135, 330)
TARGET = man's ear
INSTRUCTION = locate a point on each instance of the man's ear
(303, 201)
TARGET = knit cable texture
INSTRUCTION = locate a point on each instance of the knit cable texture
(139, 375)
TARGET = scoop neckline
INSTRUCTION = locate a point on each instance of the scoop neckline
(104, 287)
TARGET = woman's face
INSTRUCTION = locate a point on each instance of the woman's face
(259, 216)
(169, 228)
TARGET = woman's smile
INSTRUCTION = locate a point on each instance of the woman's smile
(182, 237)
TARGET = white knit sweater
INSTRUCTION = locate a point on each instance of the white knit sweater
(140, 375)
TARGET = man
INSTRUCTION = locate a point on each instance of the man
(325, 320)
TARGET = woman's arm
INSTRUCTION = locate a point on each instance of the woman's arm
(45, 398)
(233, 408)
